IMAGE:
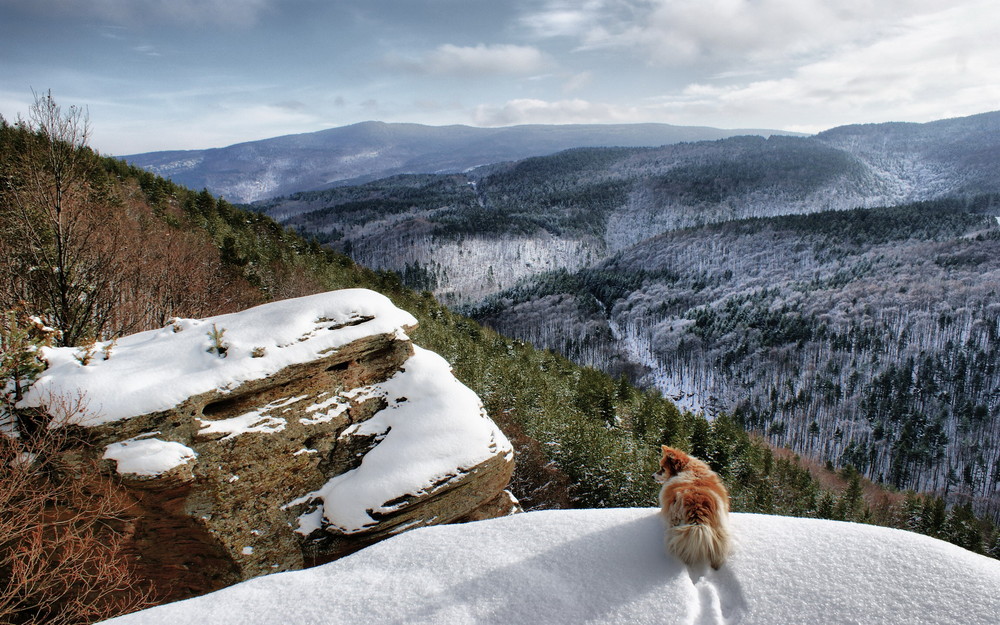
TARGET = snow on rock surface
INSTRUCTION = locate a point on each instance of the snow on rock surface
(429, 418)
(148, 456)
(308, 429)
(608, 566)
(258, 342)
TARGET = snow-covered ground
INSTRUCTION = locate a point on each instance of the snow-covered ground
(608, 566)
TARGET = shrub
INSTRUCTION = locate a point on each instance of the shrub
(63, 530)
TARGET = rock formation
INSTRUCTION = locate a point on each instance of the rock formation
(281, 436)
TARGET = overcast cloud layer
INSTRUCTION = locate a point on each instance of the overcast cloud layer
(181, 74)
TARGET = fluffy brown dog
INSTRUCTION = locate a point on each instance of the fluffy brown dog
(695, 505)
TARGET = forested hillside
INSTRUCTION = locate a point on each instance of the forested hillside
(946, 157)
(858, 334)
(868, 337)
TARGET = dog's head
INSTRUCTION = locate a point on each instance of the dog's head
(673, 462)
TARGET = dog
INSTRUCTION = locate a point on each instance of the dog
(695, 506)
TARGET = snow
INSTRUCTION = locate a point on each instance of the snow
(156, 370)
(608, 566)
(475, 266)
(327, 410)
(148, 456)
(253, 421)
(434, 421)
(430, 420)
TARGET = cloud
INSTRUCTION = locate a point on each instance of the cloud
(721, 33)
(564, 19)
(577, 82)
(932, 65)
(803, 64)
(146, 50)
(214, 126)
(575, 111)
(929, 66)
(478, 60)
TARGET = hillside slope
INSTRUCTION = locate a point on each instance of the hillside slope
(608, 566)
(920, 161)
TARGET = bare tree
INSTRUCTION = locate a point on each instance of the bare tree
(84, 250)
(60, 238)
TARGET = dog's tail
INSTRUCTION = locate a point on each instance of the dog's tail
(699, 542)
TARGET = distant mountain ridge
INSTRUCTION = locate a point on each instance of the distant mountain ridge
(923, 161)
(256, 170)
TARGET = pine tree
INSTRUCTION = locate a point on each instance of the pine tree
(850, 505)
(962, 528)
(825, 507)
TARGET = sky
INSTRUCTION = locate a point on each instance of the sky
(187, 74)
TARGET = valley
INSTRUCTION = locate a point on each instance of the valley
(836, 293)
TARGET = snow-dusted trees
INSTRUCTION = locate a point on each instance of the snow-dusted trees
(868, 338)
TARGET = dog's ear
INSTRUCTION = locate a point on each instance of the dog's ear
(674, 460)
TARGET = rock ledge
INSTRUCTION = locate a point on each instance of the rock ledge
(284, 435)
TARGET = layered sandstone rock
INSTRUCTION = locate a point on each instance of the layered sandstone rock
(287, 434)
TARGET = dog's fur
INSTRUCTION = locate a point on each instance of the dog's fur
(695, 505)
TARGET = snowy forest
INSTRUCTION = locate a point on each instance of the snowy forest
(867, 338)
(836, 293)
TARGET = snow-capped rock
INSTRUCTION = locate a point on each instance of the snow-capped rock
(293, 432)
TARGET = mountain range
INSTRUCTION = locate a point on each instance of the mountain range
(257, 170)
(469, 234)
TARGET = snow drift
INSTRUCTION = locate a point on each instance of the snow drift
(609, 566)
